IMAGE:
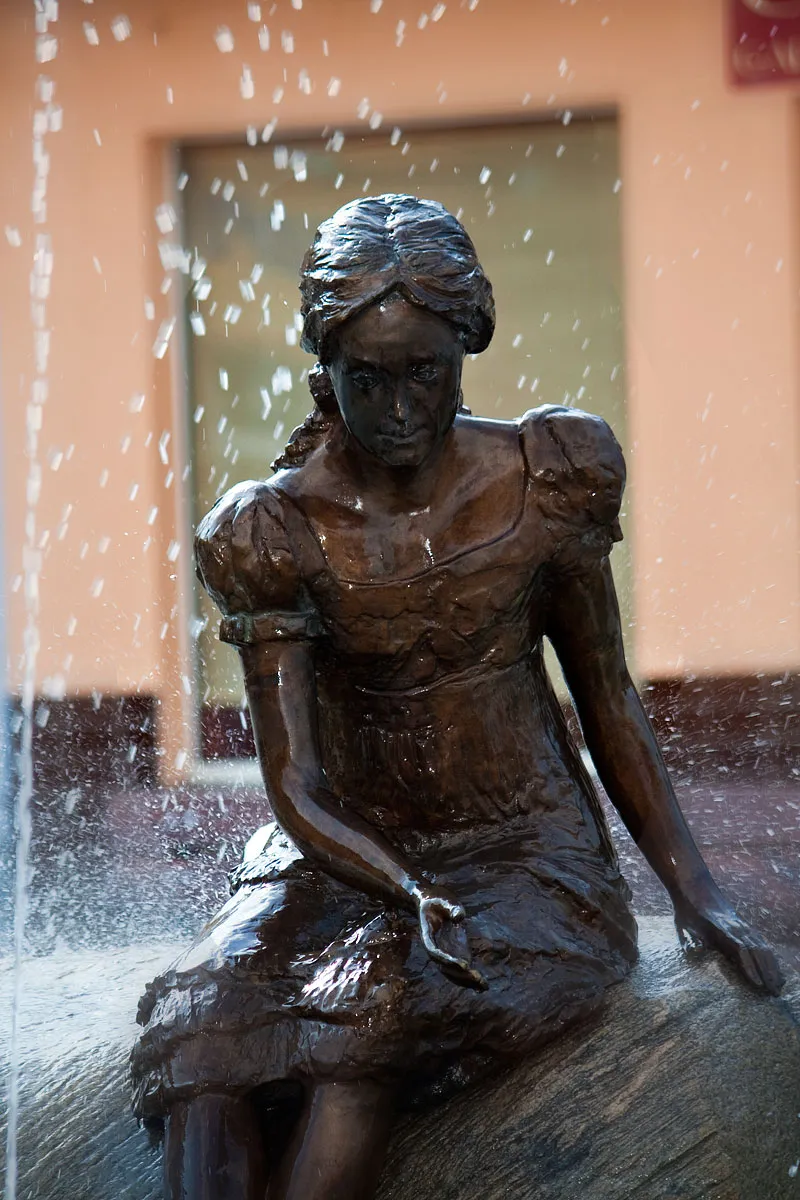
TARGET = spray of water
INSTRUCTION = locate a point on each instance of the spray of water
(46, 119)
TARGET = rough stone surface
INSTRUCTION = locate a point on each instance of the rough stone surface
(687, 1088)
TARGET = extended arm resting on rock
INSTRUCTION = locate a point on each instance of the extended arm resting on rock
(584, 627)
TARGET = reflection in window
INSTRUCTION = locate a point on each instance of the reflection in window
(541, 204)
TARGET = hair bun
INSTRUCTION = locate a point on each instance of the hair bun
(320, 385)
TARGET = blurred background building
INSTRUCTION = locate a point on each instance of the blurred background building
(630, 174)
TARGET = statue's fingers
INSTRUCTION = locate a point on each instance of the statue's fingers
(770, 976)
(428, 942)
(456, 912)
(690, 939)
(743, 957)
(462, 973)
(760, 967)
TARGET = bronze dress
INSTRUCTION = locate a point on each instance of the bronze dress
(301, 976)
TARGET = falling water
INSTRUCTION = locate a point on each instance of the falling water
(46, 119)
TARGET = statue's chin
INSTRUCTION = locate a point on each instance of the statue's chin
(402, 452)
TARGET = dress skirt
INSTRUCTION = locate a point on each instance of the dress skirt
(300, 977)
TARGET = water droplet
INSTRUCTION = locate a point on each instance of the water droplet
(281, 381)
(299, 165)
(224, 39)
(161, 344)
(247, 86)
(121, 28)
(166, 218)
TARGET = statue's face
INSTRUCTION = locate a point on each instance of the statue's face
(396, 371)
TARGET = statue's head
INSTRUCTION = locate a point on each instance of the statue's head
(393, 297)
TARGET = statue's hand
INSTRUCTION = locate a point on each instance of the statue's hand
(445, 938)
(713, 922)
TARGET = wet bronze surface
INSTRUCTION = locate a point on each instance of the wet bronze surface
(439, 893)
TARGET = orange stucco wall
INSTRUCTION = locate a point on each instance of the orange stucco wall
(712, 268)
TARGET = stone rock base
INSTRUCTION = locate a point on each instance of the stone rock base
(687, 1087)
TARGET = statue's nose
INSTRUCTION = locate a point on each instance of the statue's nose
(401, 410)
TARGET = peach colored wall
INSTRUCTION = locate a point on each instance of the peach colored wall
(710, 210)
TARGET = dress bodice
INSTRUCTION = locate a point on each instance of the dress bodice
(264, 564)
(435, 710)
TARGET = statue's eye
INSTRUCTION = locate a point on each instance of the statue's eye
(423, 372)
(365, 381)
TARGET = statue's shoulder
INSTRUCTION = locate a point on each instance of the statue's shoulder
(574, 456)
(489, 443)
(243, 552)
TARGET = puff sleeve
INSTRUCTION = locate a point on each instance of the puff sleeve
(577, 469)
(246, 564)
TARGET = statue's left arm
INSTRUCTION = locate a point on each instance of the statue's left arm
(584, 628)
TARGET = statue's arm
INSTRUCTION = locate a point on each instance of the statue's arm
(584, 628)
(281, 690)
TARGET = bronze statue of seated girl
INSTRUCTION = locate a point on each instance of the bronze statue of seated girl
(439, 893)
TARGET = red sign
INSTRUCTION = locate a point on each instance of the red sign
(766, 40)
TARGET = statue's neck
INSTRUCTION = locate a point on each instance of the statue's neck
(403, 489)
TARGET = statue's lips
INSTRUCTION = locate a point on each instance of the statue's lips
(401, 437)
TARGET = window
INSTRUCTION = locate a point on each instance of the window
(541, 204)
